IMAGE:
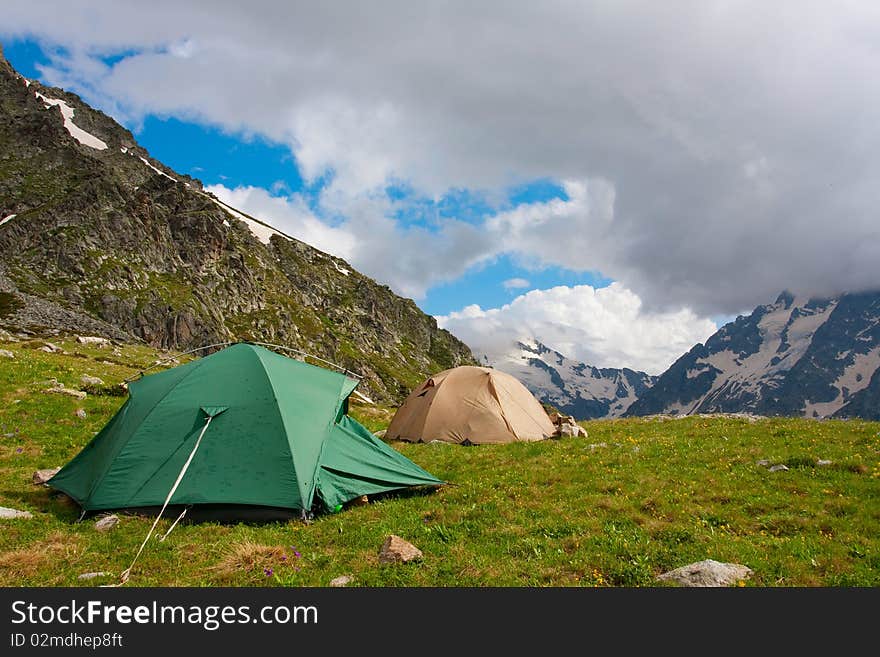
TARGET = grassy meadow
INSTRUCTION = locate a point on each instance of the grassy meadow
(634, 499)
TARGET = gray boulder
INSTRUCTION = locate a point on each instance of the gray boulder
(60, 389)
(14, 513)
(91, 339)
(707, 573)
(40, 477)
(106, 523)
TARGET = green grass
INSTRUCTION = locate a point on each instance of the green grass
(636, 498)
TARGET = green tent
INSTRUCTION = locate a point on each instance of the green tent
(244, 428)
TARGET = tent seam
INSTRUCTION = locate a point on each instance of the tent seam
(513, 399)
(196, 366)
(302, 502)
(330, 425)
(494, 390)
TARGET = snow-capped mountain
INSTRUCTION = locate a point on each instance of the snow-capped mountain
(575, 388)
(796, 356)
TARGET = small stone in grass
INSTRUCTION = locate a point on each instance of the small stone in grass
(100, 573)
(106, 523)
(397, 550)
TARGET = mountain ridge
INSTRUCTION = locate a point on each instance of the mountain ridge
(814, 357)
(109, 241)
(798, 356)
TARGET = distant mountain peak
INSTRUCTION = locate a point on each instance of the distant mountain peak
(578, 389)
(815, 357)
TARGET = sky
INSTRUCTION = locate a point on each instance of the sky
(614, 178)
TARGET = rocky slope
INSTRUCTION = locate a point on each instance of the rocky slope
(97, 237)
(577, 389)
(797, 356)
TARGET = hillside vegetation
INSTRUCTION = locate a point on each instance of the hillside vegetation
(113, 243)
(636, 498)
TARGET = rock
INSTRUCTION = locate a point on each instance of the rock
(823, 462)
(40, 477)
(397, 550)
(81, 413)
(707, 573)
(778, 467)
(14, 513)
(363, 500)
(5, 353)
(380, 433)
(87, 380)
(567, 430)
(106, 523)
(91, 339)
(100, 573)
(50, 348)
(342, 580)
(61, 390)
(763, 462)
(567, 426)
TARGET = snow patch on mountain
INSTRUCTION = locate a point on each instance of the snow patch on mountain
(855, 378)
(83, 137)
(156, 169)
(261, 231)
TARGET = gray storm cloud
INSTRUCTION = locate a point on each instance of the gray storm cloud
(728, 148)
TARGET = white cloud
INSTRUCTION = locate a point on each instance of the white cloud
(184, 48)
(605, 327)
(515, 283)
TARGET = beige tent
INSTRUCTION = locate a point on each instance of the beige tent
(470, 405)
